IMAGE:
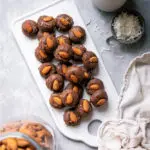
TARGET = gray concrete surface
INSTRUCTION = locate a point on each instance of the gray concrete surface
(18, 92)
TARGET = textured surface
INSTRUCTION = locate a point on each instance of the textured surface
(19, 93)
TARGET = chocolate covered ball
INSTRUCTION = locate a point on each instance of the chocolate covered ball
(77, 34)
(76, 88)
(46, 23)
(78, 51)
(48, 43)
(90, 60)
(84, 108)
(71, 118)
(46, 69)
(99, 98)
(56, 101)
(42, 56)
(70, 98)
(63, 53)
(30, 28)
(64, 22)
(74, 74)
(55, 82)
(94, 85)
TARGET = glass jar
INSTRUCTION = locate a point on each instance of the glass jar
(28, 133)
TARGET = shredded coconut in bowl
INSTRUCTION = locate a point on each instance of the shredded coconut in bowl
(127, 27)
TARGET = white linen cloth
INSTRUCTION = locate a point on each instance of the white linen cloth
(132, 129)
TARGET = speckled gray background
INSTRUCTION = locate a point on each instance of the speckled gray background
(18, 92)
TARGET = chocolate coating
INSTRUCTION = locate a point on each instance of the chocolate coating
(55, 82)
(46, 23)
(42, 56)
(64, 22)
(84, 108)
(94, 85)
(48, 43)
(77, 34)
(63, 53)
(44, 34)
(30, 28)
(70, 98)
(71, 118)
(56, 101)
(78, 51)
(76, 88)
(62, 39)
(74, 74)
(99, 98)
(62, 68)
(46, 69)
(90, 60)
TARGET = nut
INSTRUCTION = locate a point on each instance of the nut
(57, 100)
(3, 147)
(86, 106)
(28, 132)
(56, 85)
(61, 41)
(77, 33)
(64, 21)
(86, 75)
(93, 60)
(101, 102)
(69, 99)
(64, 68)
(63, 54)
(77, 51)
(46, 69)
(73, 117)
(49, 42)
(22, 143)
(76, 89)
(94, 87)
(28, 27)
(12, 144)
(42, 54)
(74, 78)
(48, 18)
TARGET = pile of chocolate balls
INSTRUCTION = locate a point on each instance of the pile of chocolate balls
(69, 51)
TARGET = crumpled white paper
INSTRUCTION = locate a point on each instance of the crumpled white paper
(132, 129)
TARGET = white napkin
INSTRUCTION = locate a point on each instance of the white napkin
(132, 129)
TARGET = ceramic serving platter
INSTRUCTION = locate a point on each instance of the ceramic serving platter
(27, 48)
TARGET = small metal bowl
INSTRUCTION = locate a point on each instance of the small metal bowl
(142, 23)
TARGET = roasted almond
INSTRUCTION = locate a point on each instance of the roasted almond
(61, 41)
(46, 69)
(76, 89)
(12, 144)
(56, 85)
(86, 106)
(77, 51)
(101, 102)
(69, 99)
(64, 68)
(49, 42)
(74, 78)
(77, 33)
(42, 54)
(64, 55)
(73, 117)
(64, 21)
(57, 100)
(3, 147)
(94, 87)
(93, 60)
(86, 75)
(28, 27)
(22, 143)
(48, 18)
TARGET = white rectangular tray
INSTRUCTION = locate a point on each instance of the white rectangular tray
(27, 48)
